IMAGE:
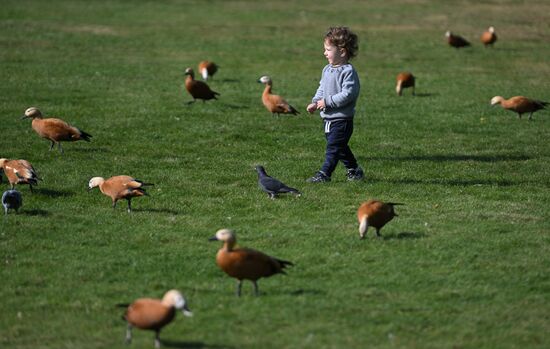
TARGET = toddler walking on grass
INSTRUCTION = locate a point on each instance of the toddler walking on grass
(336, 98)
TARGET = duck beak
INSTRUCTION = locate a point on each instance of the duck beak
(213, 238)
(186, 311)
(24, 117)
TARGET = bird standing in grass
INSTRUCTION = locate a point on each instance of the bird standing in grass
(405, 80)
(456, 41)
(11, 199)
(273, 186)
(154, 314)
(119, 187)
(374, 213)
(207, 69)
(198, 89)
(275, 103)
(55, 130)
(519, 104)
(245, 263)
(19, 172)
(488, 38)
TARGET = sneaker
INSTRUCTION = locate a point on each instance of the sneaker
(319, 177)
(355, 174)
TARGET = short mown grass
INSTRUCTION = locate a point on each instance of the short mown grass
(465, 265)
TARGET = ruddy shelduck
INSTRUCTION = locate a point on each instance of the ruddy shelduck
(198, 89)
(154, 314)
(245, 263)
(207, 69)
(120, 187)
(489, 37)
(54, 130)
(405, 80)
(456, 41)
(519, 104)
(374, 213)
(275, 103)
(19, 172)
(11, 200)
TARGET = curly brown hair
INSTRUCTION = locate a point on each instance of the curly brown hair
(343, 37)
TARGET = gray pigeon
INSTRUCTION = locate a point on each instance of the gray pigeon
(11, 199)
(271, 185)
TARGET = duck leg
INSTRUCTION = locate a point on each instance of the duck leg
(129, 206)
(255, 288)
(128, 339)
(157, 339)
(239, 285)
(52, 145)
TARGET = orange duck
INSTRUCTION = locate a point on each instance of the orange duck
(245, 263)
(119, 187)
(198, 89)
(519, 104)
(55, 130)
(456, 40)
(19, 172)
(207, 69)
(154, 314)
(489, 37)
(275, 103)
(374, 213)
(404, 80)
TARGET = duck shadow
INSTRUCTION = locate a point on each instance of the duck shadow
(91, 150)
(302, 291)
(192, 345)
(405, 235)
(157, 210)
(227, 80)
(421, 95)
(35, 212)
(53, 193)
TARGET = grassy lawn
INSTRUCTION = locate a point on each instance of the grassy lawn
(465, 265)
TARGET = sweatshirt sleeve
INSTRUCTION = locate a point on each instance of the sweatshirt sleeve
(349, 92)
(320, 92)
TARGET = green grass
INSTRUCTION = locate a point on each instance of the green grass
(465, 265)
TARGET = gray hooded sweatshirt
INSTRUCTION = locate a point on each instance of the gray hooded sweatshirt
(339, 87)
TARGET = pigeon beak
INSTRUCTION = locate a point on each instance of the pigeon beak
(213, 238)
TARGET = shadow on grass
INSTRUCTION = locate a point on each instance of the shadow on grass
(191, 345)
(53, 193)
(302, 291)
(421, 95)
(449, 182)
(35, 212)
(227, 80)
(405, 235)
(91, 149)
(157, 210)
(455, 157)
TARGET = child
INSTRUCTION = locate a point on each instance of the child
(336, 97)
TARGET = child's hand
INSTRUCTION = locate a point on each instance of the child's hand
(311, 108)
(321, 104)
